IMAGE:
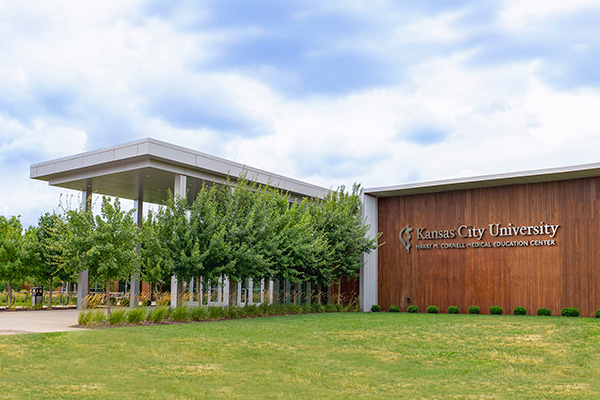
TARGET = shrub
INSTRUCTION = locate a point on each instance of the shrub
(216, 312)
(543, 311)
(413, 309)
(432, 310)
(474, 310)
(496, 310)
(136, 315)
(84, 318)
(453, 310)
(375, 308)
(519, 311)
(597, 315)
(97, 317)
(317, 308)
(159, 314)
(116, 317)
(181, 314)
(569, 312)
(394, 308)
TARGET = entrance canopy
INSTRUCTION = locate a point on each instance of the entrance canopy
(145, 170)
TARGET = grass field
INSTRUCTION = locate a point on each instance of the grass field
(319, 356)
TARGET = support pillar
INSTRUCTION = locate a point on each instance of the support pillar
(368, 272)
(134, 297)
(179, 190)
(83, 281)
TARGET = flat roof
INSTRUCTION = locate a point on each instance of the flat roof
(476, 182)
(147, 168)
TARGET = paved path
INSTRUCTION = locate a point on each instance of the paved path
(15, 322)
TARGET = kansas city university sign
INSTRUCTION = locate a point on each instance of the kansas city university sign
(494, 235)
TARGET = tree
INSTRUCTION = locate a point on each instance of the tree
(13, 265)
(155, 267)
(105, 244)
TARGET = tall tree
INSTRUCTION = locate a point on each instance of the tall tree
(155, 266)
(12, 253)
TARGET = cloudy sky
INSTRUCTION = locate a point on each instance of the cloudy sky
(331, 92)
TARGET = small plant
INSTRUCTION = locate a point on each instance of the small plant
(453, 310)
(597, 314)
(413, 309)
(197, 314)
(159, 314)
(473, 310)
(375, 308)
(519, 311)
(85, 318)
(216, 313)
(97, 317)
(318, 308)
(569, 312)
(543, 311)
(116, 317)
(394, 308)
(136, 315)
(496, 310)
(432, 310)
(181, 314)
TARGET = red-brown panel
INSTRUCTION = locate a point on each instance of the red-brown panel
(534, 276)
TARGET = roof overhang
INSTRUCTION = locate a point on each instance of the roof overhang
(146, 170)
(477, 182)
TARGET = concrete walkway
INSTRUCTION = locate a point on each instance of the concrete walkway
(15, 322)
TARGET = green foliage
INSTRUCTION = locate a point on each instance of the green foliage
(519, 311)
(116, 317)
(318, 308)
(394, 308)
(216, 313)
(124, 301)
(544, 312)
(180, 314)
(413, 309)
(159, 314)
(85, 318)
(97, 317)
(569, 312)
(496, 310)
(473, 310)
(14, 252)
(453, 310)
(433, 310)
(597, 314)
(375, 308)
(135, 315)
(198, 313)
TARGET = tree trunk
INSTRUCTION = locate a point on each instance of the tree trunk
(232, 293)
(9, 295)
(108, 297)
(198, 291)
(50, 297)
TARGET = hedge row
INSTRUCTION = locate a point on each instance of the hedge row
(162, 314)
(494, 310)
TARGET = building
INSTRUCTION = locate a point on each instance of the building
(520, 239)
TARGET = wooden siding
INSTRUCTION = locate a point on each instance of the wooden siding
(565, 275)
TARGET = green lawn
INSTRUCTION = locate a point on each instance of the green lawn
(340, 355)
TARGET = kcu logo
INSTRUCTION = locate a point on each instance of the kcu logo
(405, 237)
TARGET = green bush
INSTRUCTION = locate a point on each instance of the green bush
(394, 308)
(197, 313)
(432, 310)
(473, 310)
(543, 311)
(159, 314)
(413, 309)
(317, 308)
(116, 317)
(519, 311)
(597, 315)
(98, 317)
(496, 310)
(85, 318)
(180, 314)
(136, 315)
(569, 312)
(453, 310)
(375, 308)
(216, 313)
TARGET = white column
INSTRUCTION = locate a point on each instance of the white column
(179, 190)
(270, 291)
(83, 280)
(135, 277)
(368, 272)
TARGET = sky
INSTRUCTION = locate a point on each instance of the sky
(375, 92)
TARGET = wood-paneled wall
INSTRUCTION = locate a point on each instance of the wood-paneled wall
(565, 275)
